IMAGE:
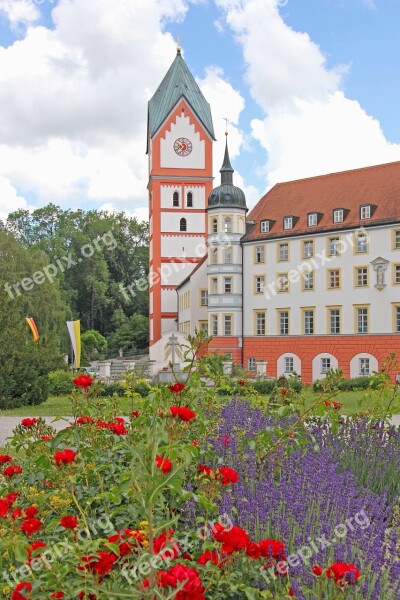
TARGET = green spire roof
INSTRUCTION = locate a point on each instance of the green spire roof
(178, 83)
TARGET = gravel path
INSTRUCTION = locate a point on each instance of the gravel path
(7, 424)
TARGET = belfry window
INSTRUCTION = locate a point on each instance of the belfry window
(215, 226)
(189, 199)
(175, 199)
(182, 225)
(228, 225)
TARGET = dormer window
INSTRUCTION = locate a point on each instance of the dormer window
(338, 215)
(312, 219)
(288, 223)
(264, 227)
(365, 211)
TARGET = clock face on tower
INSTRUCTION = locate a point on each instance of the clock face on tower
(183, 146)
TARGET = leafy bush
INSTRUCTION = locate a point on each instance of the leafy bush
(111, 389)
(264, 386)
(60, 383)
(348, 385)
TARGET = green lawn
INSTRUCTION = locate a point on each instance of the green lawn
(61, 406)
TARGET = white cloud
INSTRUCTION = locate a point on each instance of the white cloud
(73, 99)
(310, 126)
(10, 200)
(19, 11)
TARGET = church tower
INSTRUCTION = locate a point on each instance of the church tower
(227, 225)
(180, 136)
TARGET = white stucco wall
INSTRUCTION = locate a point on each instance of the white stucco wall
(168, 157)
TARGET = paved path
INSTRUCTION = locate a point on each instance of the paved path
(7, 424)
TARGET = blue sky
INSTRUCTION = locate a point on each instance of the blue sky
(311, 86)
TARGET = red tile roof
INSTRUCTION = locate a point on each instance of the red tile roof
(378, 186)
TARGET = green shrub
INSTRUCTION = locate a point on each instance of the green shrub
(264, 386)
(60, 383)
(111, 389)
(347, 385)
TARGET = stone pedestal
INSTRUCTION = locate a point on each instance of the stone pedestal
(227, 366)
(261, 368)
(105, 370)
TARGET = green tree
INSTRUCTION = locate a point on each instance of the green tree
(94, 345)
(25, 364)
(131, 335)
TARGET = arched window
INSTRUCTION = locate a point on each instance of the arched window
(215, 225)
(189, 199)
(228, 225)
(228, 256)
(175, 199)
(182, 225)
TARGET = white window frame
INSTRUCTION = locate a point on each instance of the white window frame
(312, 219)
(264, 226)
(287, 222)
(365, 211)
(325, 365)
(338, 215)
(364, 371)
(251, 364)
(288, 364)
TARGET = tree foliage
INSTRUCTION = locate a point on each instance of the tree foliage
(24, 364)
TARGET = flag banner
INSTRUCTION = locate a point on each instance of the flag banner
(33, 328)
(74, 329)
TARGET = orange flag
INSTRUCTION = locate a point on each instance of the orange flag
(33, 328)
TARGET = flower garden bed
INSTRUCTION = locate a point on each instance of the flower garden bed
(193, 496)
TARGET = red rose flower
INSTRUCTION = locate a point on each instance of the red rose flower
(57, 595)
(164, 464)
(24, 585)
(165, 540)
(5, 458)
(82, 595)
(317, 570)
(291, 593)
(47, 438)
(4, 507)
(11, 498)
(327, 403)
(283, 392)
(83, 381)
(336, 405)
(270, 548)
(233, 538)
(101, 564)
(184, 413)
(85, 420)
(205, 469)
(34, 546)
(135, 413)
(69, 522)
(228, 475)
(176, 388)
(29, 526)
(241, 382)
(64, 456)
(209, 556)
(28, 423)
(226, 440)
(16, 514)
(343, 573)
(194, 443)
(12, 470)
(31, 511)
(175, 576)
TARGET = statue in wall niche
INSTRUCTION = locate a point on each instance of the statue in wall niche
(380, 266)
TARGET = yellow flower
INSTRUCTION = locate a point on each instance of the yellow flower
(144, 524)
(6, 589)
(11, 568)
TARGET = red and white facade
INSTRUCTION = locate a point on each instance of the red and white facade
(307, 282)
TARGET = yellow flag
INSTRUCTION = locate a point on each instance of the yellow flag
(74, 329)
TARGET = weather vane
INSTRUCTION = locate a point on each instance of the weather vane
(226, 124)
